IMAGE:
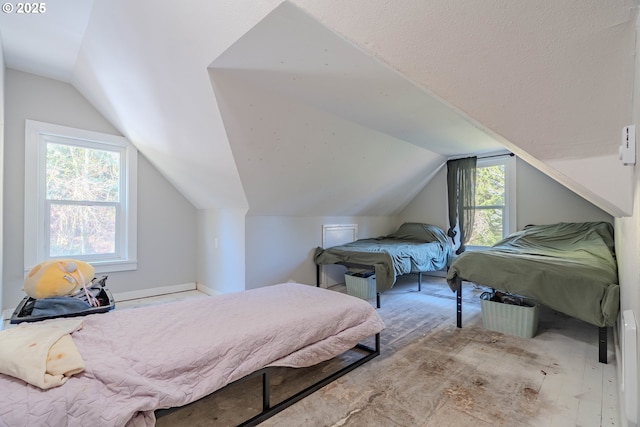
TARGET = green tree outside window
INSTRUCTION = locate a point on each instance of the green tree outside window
(489, 206)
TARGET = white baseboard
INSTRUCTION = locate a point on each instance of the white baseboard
(7, 313)
(205, 289)
(153, 292)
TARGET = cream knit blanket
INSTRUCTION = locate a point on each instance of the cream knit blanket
(41, 353)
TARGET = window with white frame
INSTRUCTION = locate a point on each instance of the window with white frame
(80, 197)
(494, 201)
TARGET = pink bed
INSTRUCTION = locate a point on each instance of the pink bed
(141, 360)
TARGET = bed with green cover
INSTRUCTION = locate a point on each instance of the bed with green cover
(413, 248)
(569, 267)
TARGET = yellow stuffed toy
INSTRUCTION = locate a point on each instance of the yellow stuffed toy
(57, 278)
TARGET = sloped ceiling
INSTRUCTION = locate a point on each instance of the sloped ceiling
(553, 81)
(319, 127)
(336, 107)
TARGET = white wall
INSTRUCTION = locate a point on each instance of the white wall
(280, 248)
(221, 250)
(166, 220)
(430, 205)
(628, 239)
(2, 78)
(627, 232)
(540, 200)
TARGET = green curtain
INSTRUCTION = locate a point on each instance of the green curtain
(461, 189)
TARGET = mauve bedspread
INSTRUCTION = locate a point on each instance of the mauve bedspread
(140, 360)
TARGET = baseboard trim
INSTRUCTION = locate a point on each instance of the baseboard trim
(207, 290)
(153, 292)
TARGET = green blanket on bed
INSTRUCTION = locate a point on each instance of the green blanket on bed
(569, 267)
(415, 247)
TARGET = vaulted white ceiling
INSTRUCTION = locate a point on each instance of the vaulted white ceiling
(346, 108)
(318, 126)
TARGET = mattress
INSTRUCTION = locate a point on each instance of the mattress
(413, 248)
(570, 267)
(144, 359)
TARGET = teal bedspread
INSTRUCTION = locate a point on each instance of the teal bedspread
(415, 247)
(569, 267)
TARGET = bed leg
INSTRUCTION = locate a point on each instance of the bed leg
(266, 391)
(378, 299)
(602, 344)
(419, 281)
(459, 302)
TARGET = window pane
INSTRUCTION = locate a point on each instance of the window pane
(82, 230)
(82, 174)
(490, 186)
(487, 227)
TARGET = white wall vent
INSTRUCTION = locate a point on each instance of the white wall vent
(334, 235)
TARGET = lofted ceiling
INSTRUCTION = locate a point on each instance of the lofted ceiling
(298, 101)
(46, 44)
(345, 108)
(294, 55)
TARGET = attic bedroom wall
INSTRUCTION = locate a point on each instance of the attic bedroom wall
(627, 231)
(303, 167)
(2, 73)
(540, 200)
(280, 248)
(166, 220)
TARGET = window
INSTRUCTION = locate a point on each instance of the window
(80, 197)
(494, 200)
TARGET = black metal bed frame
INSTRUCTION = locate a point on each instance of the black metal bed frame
(269, 410)
(602, 330)
(368, 267)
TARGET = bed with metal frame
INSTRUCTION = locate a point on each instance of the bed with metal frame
(568, 267)
(138, 361)
(413, 248)
(269, 409)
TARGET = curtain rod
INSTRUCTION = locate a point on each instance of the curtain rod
(497, 155)
(484, 157)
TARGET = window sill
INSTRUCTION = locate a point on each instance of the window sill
(102, 267)
(114, 266)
